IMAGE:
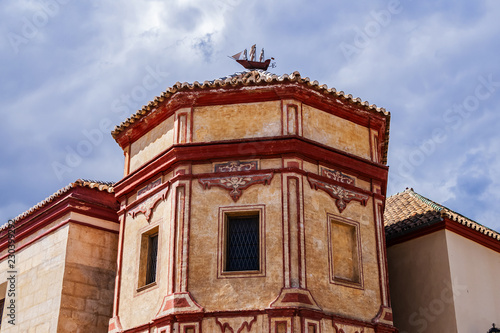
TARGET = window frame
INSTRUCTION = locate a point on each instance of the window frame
(144, 258)
(229, 247)
(237, 211)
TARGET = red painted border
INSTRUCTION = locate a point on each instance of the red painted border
(346, 283)
(263, 148)
(85, 201)
(54, 228)
(198, 97)
(450, 225)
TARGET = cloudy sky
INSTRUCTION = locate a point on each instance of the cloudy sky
(72, 70)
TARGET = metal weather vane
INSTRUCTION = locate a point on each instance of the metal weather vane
(252, 63)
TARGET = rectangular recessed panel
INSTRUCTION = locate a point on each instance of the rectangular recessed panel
(292, 119)
(242, 248)
(281, 327)
(345, 251)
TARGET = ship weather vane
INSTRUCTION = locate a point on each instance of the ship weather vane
(249, 62)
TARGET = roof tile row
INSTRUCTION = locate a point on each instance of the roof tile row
(408, 211)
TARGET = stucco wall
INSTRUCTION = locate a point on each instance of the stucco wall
(229, 293)
(475, 272)
(139, 307)
(336, 132)
(236, 121)
(421, 285)
(152, 143)
(283, 267)
(364, 302)
(253, 120)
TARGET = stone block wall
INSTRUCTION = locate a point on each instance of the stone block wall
(88, 283)
(40, 268)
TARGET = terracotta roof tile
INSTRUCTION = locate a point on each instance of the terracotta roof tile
(98, 185)
(408, 211)
(252, 78)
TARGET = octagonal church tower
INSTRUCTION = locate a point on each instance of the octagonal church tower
(253, 203)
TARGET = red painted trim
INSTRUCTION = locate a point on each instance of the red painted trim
(283, 131)
(417, 233)
(119, 263)
(85, 201)
(178, 224)
(285, 240)
(304, 234)
(290, 263)
(297, 236)
(181, 242)
(454, 226)
(223, 327)
(376, 216)
(247, 325)
(191, 124)
(54, 228)
(188, 217)
(264, 148)
(188, 327)
(370, 138)
(301, 119)
(384, 254)
(237, 95)
(296, 297)
(472, 234)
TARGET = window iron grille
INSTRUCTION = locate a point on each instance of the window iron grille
(242, 248)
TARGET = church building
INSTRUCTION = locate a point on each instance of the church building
(253, 203)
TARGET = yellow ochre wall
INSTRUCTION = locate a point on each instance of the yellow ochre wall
(253, 120)
(215, 293)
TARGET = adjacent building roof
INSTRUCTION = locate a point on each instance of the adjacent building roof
(93, 184)
(254, 77)
(409, 211)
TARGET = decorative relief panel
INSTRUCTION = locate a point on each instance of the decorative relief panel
(235, 324)
(233, 166)
(149, 204)
(337, 176)
(236, 184)
(149, 187)
(342, 195)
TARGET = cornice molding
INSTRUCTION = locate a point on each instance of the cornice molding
(260, 148)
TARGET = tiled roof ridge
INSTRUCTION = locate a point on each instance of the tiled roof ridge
(434, 205)
(93, 184)
(251, 77)
(451, 214)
